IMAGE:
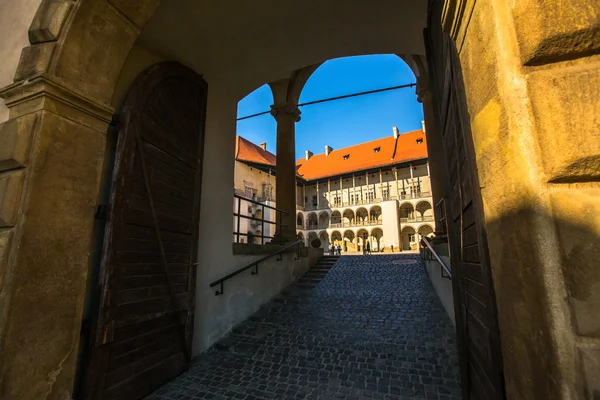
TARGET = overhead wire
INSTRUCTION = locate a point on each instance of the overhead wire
(346, 96)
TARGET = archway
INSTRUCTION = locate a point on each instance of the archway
(349, 243)
(312, 221)
(324, 240)
(408, 238)
(407, 212)
(96, 83)
(336, 237)
(336, 219)
(362, 236)
(300, 221)
(323, 220)
(362, 216)
(378, 243)
(375, 215)
(424, 210)
(348, 218)
(425, 230)
(301, 237)
(311, 237)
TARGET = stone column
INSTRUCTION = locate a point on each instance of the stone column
(435, 170)
(286, 117)
(318, 195)
(51, 158)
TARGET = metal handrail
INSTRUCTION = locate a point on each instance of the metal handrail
(436, 255)
(254, 220)
(255, 264)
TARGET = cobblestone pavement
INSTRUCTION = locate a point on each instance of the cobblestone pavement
(371, 328)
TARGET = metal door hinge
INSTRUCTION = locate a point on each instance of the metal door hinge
(101, 212)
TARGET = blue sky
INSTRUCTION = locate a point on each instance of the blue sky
(344, 122)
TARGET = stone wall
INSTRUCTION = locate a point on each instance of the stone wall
(532, 76)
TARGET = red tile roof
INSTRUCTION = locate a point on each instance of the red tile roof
(363, 156)
(249, 152)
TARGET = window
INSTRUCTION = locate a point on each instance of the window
(419, 140)
(370, 195)
(346, 156)
(249, 191)
(385, 192)
(376, 149)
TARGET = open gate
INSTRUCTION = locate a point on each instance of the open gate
(474, 299)
(143, 330)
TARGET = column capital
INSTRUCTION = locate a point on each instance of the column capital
(422, 87)
(290, 110)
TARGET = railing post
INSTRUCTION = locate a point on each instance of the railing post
(239, 218)
(262, 225)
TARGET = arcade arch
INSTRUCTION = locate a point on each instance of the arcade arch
(336, 219)
(323, 220)
(407, 212)
(312, 221)
(378, 243)
(362, 216)
(375, 215)
(348, 217)
(424, 209)
(408, 237)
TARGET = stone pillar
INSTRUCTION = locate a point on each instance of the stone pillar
(435, 169)
(318, 195)
(286, 117)
(51, 158)
(381, 183)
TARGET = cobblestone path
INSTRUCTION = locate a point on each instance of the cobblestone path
(372, 328)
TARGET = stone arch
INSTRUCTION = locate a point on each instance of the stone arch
(312, 235)
(377, 239)
(349, 240)
(424, 209)
(323, 220)
(375, 215)
(348, 217)
(336, 218)
(301, 237)
(425, 230)
(336, 237)
(312, 221)
(362, 216)
(407, 211)
(362, 235)
(408, 236)
(300, 221)
(324, 236)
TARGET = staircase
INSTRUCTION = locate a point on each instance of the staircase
(317, 272)
(301, 288)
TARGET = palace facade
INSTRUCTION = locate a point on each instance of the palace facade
(378, 191)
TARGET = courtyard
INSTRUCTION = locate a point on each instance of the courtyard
(373, 327)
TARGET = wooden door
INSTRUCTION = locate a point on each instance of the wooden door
(475, 307)
(143, 328)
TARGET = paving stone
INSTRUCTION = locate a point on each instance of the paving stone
(368, 328)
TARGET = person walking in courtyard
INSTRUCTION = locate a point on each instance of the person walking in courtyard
(339, 250)
(368, 248)
(332, 249)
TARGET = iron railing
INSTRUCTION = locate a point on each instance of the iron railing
(255, 263)
(426, 218)
(416, 195)
(255, 221)
(432, 254)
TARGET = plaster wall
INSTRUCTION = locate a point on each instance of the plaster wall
(390, 223)
(442, 286)
(245, 175)
(15, 18)
(244, 294)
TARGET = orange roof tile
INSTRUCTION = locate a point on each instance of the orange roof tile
(363, 156)
(247, 151)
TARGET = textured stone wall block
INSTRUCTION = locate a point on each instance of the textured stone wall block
(566, 107)
(15, 141)
(5, 242)
(557, 30)
(137, 11)
(590, 370)
(49, 20)
(34, 60)
(11, 185)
